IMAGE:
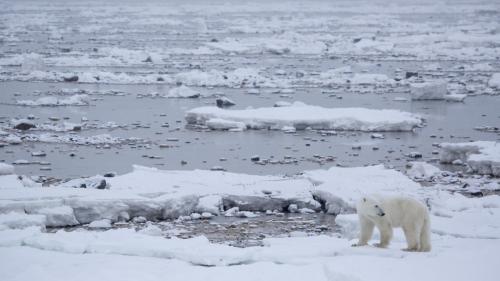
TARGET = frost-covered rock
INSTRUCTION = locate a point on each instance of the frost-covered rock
(224, 102)
(6, 169)
(302, 116)
(483, 157)
(22, 124)
(435, 90)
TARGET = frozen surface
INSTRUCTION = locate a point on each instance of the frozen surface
(459, 240)
(483, 157)
(53, 101)
(301, 116)
(122, 59)
(156, 194)
(435, 90)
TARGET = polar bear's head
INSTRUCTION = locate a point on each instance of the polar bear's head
(370, 207)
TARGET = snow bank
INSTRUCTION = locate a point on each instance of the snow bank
(21, 220)
(483, 157)
(157, 194)
(54, 101)
(58, 216)
(301, 116)
(435, 90)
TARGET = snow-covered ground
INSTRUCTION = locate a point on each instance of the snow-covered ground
(464, 230)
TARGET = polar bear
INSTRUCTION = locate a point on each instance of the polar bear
(388, 212)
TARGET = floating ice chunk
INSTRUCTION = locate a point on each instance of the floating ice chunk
(301, 116)
(282, 104)
(58, 216)
(422, 170)
(12, 139)
(238, 78)
(455, 97)
(104, 223)
(54, 101)
(224, 102)
(183, 92)
(370, 78)
(483, 157)
(494, 81)
(435, 90)
(6, 169)
(21, 220)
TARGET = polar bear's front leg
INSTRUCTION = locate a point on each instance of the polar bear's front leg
(412, 238)
(385, 235)
(367, 227)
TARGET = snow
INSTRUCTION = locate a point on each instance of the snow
(422, 170)
(435, 90)
(104, 223)
(58, 216)
(455, 97)
(301, 116)
(483, 157)
(238, 78)
(222, 124)
(54, 101)
(156, 194)
(21, 220)
(183, 92)
(494, 81)
(463, 229)
(6, 169)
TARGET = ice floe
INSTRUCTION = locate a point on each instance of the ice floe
(54, 101)
(482, 157)
(435, 90)
(302, 116)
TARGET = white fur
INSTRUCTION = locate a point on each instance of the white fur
(386, 213)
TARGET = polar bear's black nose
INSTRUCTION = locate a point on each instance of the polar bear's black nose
(382, 214)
